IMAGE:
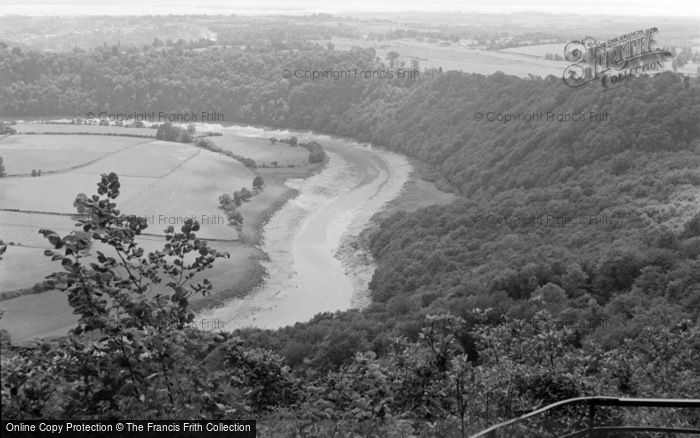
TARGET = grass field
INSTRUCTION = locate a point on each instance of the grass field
(261, 150)
(139, 165)
(94, 129)
(37, 315)
(22, 267)
(24, 263)
(162, 181)
(538, 51)
(455, 57)
(23, 153)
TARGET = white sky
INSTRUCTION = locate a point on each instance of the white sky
(677, 8)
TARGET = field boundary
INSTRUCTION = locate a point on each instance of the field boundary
(86, 133)
(76, 167)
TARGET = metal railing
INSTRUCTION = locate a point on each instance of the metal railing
(591, 429)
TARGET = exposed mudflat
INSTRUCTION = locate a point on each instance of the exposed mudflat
(312, 264)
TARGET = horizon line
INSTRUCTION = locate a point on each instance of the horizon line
(256, 12)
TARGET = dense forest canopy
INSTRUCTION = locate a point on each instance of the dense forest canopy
(525, 311)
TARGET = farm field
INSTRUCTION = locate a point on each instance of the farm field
(163, 181)
(24, 263)
(139, 166)
(45, 314)
(70, 128)
(261, 150)
(539, 50)
(455, 57)
(24, 153)
(23, 266)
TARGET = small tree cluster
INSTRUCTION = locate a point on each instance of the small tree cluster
(6, 129)
(229, 204)
(316, 152)
(168, 132)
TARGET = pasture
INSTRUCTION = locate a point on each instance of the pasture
(456, 57)
(162, 181)
(24, 153)
(261, 150)
(43, 128)
(537, 51)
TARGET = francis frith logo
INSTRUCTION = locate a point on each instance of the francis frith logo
(614, 62)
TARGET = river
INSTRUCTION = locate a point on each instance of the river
(310, 267)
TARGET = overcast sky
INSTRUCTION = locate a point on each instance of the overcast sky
(250, 7)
